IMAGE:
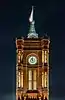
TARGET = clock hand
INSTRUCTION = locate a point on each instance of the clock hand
(32, 58)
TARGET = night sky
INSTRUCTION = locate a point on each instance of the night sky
(49, 17)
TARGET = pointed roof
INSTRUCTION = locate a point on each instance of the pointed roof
(32, 33)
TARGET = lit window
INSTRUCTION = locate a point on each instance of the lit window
(18, 58)
(45, 56)
(19, 80)
(42, 56)
(30, 85)
(34, 80)
(34, 75)
(45, 79)
(34, 85)
(48, 56)
(22, 79)
(30, 79)
(21, 57)
(42, 79)
(16, 79)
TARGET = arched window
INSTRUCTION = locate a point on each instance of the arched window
(30, 79)
(34, 80)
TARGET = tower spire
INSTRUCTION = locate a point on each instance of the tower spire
(31, 16)
(32, 33)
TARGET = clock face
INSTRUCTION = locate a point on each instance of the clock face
(32, 60)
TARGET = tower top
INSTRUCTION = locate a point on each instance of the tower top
(32, 33)
(31, 16)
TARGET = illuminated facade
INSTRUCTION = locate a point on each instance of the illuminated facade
(32, 66)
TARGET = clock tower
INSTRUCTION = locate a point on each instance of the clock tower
(32, 65)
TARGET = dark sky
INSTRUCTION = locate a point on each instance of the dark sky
(49, 17)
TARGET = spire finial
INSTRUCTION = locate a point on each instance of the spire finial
(32, 33)
(31, 16)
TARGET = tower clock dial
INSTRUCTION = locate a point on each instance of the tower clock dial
(32, 60)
